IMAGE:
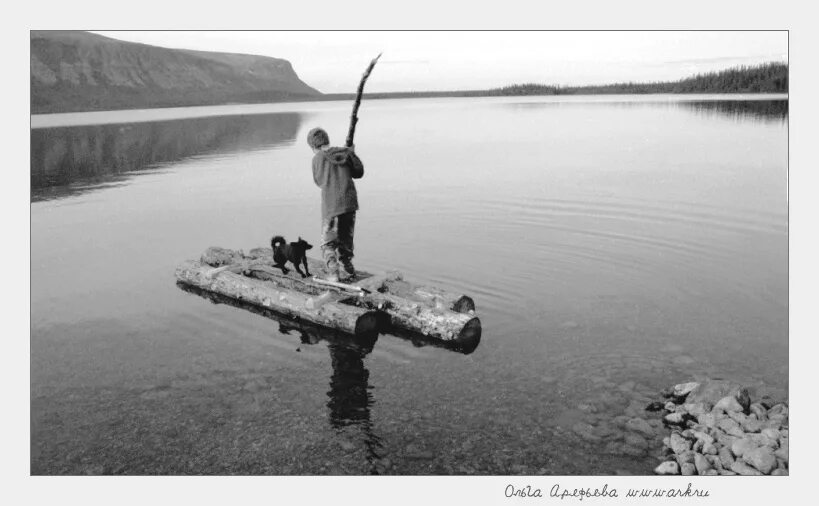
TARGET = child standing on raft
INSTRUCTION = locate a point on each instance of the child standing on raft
(333, 171)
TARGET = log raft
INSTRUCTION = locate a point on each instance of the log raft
(388, 299)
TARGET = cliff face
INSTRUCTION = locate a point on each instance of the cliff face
(77, 71)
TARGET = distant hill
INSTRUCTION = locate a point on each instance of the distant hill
(81, 71)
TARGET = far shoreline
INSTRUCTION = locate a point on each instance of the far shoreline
(139, 115)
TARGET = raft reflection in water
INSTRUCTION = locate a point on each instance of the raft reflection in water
(350, 395)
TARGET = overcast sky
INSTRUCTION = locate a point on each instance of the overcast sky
(417, 61)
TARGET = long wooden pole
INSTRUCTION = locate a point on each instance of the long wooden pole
(354, 116)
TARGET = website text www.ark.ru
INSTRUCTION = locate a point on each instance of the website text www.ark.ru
(604, 492)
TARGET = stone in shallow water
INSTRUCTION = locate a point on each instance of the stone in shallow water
(641, 426)
(585, 431)
(604, 430)
(726, 472)
(779, 472)
(683, 360)
(674, 418)
(635, 440)
(761, 458)
(614, 448)
(709, 449)
(667, 467)
(688, 469)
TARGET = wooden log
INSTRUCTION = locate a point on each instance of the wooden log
(347, 318)
(418, 317)
(310, 333)
(394, 284)
(430, 311)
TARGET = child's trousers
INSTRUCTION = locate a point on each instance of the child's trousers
(337, 243)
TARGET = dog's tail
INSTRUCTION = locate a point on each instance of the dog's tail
(277, 240)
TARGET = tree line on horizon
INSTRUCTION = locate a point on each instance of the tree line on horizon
(764, 78)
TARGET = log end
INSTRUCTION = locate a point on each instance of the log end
(368, 324)
(470, 336)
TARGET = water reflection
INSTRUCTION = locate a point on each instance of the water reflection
(741, 110)
(107, 153)
(350, 398)
(757, 110)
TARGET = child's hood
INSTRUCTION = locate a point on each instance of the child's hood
(338, 156)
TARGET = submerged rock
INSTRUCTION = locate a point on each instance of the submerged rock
(585, 431)
(635, 440)
(688, 469)
(641, 426)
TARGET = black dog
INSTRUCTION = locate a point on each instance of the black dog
(295, 252)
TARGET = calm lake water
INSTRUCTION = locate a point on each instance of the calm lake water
(613, 245)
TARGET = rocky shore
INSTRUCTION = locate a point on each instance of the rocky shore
(716, 429)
